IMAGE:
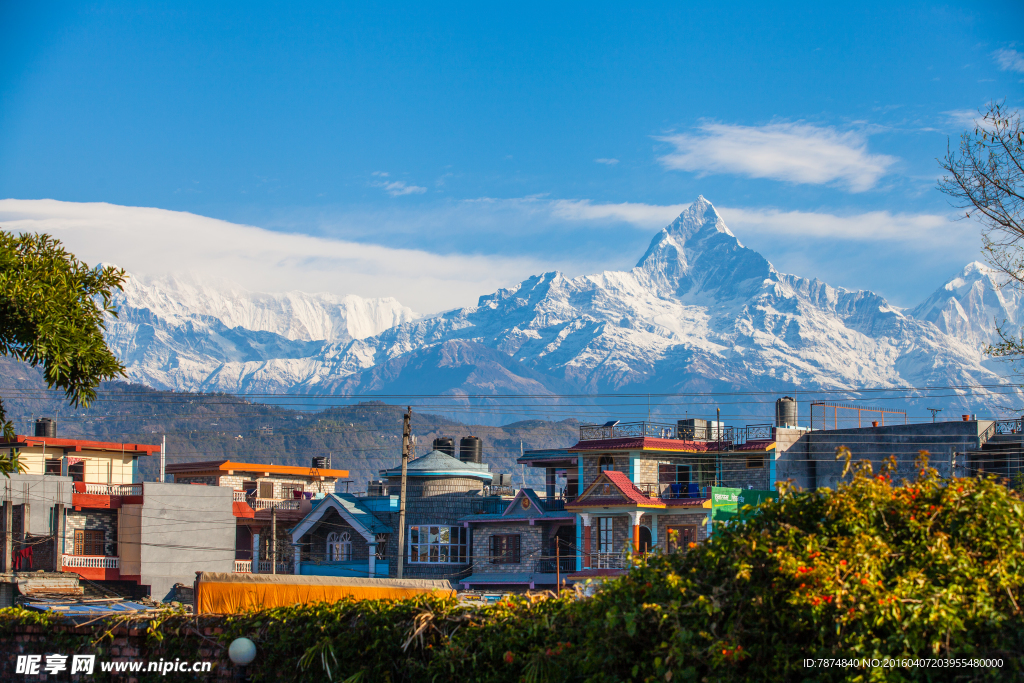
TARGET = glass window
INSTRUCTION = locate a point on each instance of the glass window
(339, 546)
(438, 544)
(604, 534)
(605, 463)
(505, 549)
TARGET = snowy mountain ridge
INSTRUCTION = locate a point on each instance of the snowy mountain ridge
(698, 312)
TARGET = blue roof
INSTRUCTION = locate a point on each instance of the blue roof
(352, 505)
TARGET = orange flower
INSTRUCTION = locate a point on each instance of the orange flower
(692, 545)
(842, 562)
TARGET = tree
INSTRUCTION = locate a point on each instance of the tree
(985, 178)
(51, 314)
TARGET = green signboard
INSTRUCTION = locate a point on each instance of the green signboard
(727, 503)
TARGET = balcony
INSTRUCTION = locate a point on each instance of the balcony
(245, 567)
(726, 435)
(278, 503)
(90, 562)
(608, 561)
(113, 489)
(547, 565)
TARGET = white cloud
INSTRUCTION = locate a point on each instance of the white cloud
(926, 230)
(647, 216)
(607, 162)
(793, 152)
(157, 242)
(398, 188)
(1009, 60)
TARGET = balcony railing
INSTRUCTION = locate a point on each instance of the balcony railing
(243, 566)
(608, 561)
(90, 562)
(546, 565)
(621, 430)
(1007, 427)
(265, 565)
(489, 506)
(113, 489)
(279, 503)
(711, 434)
(238, 496)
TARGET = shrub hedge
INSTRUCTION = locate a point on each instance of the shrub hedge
(875, 570)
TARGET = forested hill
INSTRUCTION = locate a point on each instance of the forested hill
(361, 438)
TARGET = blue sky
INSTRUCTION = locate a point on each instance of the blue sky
(499, 141)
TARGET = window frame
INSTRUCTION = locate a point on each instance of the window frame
(339, 546)
(262, 487)
(605, 535)
(418, 547)
(90, 539)
(757, 460)
(506, 548)
(605, 463)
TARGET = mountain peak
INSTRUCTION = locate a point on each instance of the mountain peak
(700, 216)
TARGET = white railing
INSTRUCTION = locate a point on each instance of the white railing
(279, 503)
(608, 561)
(281, 568)
(243, 566)
(239, 496)
(90, 562)
(114, 489)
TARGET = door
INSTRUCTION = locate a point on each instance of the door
(645, 540)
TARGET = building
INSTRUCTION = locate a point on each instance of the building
(528, 544)
(268, 500)
(440, 491)
(343, 535)
(81, 507)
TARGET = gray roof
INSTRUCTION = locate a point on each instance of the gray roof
(436, 463)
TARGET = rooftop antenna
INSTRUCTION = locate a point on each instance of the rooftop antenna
(934, 411)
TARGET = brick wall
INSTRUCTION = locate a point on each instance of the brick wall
(209, 481)
(736, 474)
(314, 544)
(645, 471)
(697, 519)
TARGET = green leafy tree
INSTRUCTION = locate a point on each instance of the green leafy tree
(51, 314)
(985, 178)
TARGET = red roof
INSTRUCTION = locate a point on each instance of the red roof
(755, 446)
(632, 494)
(82, 444)
(646, 443)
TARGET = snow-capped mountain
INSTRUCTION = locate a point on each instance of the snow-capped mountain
(973, 304)
(175, 331)
(699, 312)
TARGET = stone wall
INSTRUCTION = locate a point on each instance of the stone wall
(314, 543)
(590, 467)
(531, 547)
(645, 471)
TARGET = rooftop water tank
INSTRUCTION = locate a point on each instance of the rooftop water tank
(785, 412)
(46, 428)
(445, 444)
(471, 449)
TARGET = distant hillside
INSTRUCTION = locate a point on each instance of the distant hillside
(362, 438)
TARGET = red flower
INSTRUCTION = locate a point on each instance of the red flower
(842, 562)
(509, 657)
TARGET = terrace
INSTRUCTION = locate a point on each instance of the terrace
(713, 435)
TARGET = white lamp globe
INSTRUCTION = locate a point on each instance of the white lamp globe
(242, 651)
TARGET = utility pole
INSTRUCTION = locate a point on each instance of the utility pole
(406, 447)
(163, 459)
(273, 539)
(933, 411)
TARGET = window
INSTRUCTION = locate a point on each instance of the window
(77, 471)
(53, 466)
(382, 547)
(90, 542)
(605, 463)
(266, 489)
(288, 491)
(604, 534)
(674, 480)
(339, 546)
(683, 536)
(249, 487)
(438, 544)
(755, 461)
(505, 549)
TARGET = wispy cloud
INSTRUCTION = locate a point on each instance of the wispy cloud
(647, 216)
(792, 152)
(156, 242)
(397, 188)
(1009, 60)
(607, 162)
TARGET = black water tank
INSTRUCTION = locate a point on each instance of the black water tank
(471, 449)
(446, 445)
(322, 462)
(46, 428)
(785, 412)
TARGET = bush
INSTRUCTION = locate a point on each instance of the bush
(875, 570)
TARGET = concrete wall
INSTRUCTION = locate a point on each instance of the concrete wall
(101, 467)
(41, 493)
(808, 458)
(183, 529)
